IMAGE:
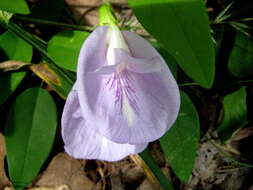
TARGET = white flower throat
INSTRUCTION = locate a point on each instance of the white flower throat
(115, 39)
(120, 82)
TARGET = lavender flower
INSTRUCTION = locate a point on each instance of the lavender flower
(124, 97)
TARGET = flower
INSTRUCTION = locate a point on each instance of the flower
(124, 97)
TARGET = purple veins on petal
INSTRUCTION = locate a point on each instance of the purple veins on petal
(120, 84)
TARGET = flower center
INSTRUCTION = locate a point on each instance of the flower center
(120, 68)
(125, 97)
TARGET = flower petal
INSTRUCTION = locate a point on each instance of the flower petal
(132, 107)
(83, 142)
(94, 50)
(105, 70)
(138, 65)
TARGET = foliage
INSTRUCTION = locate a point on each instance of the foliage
(29, 134)
(185, 136)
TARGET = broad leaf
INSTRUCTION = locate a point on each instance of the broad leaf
(29, 133)
(64, 48)
(14, 6)
(182, 26)
(8, 83)
(181, 141)
(67, 78)
(235, 113)
(12, 47)
(171, 62)
(241, 57)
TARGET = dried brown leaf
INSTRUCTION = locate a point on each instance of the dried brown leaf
(146, 185)
(150, 176)
(242, 134)
(11, 65)
(64, 169)
(45, 73)
(61, 187)
(132, 174)
(116, 182)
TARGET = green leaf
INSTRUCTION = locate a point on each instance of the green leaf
(182, 26)
(66, 78)
(64, 48)
(29, 134)
(241, 57)
(171, 62)
(14, 6)
(8, 83)
(181, 141)
(14, 48)
(235, 113)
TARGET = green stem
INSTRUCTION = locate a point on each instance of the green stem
(245, 81)
(29, 38)
(188, 84)
(149, 160)
(52, 23)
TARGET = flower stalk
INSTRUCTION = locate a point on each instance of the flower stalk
(106, 15)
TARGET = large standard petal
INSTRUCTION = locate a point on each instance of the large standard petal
(136, 111)
(83, 142)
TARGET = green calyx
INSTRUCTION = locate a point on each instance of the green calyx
(5, 17)
(106, 15)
